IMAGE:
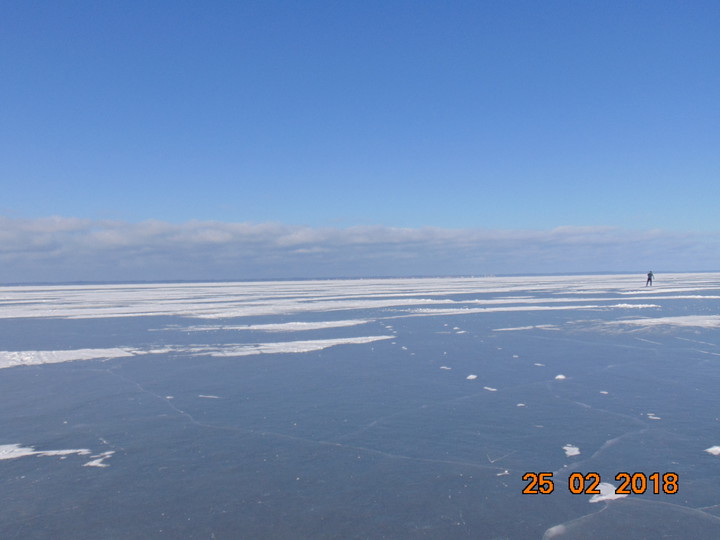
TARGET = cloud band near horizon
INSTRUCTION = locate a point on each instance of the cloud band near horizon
(73, 249)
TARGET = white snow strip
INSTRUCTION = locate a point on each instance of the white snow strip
(275, 327)
(208, 396)
(607, 493)
(637, 306)
(703, 321)
(281, 347)
(31, 358)
(560, 377)
(471, 377)
(489, 389)
(14, 451)
(468, 310)
(10, 359)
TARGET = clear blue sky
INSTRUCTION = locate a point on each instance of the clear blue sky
(495, 115)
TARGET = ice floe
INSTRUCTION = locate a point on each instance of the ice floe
(571, 450)
(714, 450)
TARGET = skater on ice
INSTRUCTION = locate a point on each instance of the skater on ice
(650, 277)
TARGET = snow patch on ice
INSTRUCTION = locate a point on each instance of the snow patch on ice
(282, 347)
(607, 493)
(702, 321)
(99, 460)
(32, 358)
(14, 451)
(275, 327)
(532, 327)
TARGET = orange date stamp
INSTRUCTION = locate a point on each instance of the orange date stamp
(542, 483)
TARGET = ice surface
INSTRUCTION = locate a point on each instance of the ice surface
(312, 409)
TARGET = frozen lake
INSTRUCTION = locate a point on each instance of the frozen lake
(393, 408)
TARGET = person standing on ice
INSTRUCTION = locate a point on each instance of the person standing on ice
(649, 279)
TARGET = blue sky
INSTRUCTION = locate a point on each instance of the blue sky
(475, 119)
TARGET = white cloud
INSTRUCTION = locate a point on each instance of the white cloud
(70, 249)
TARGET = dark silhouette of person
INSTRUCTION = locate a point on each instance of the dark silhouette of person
(649, 279)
